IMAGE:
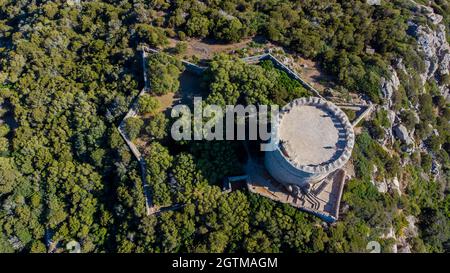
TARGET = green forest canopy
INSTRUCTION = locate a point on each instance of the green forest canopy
(68, 75)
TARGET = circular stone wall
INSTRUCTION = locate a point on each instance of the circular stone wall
(315, 138)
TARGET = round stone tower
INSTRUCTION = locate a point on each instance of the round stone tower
(315, 138)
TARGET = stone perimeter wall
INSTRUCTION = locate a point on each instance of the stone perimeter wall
(121, 128)
(194, 68)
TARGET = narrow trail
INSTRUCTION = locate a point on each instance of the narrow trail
(133, 112)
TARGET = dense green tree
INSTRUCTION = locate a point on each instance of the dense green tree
(4, 145)
(163, 72)
(232, 81)
(258, 243)
(216, 159)
(154, 36)
(187, 176)
(435, 229)
(4, 130)
(133, 126)
(158, 126)
(9, 175)
(158, 163)
(148, 104)
(197, 26)
(229, 30)
(408, 119)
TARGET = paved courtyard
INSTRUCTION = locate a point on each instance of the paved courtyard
(323, 199)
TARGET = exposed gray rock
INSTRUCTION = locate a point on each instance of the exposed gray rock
(389, 86)
(390, 234)
(392, 116)
(411, 230)
(403, 247)
(434, 47)
(428, 12)
(15, 242)
(388, 132)
(408, 232)
(387, 185)
(394, 185)
(402, 133)
(382, 186)
(401, 66)
(435, 167)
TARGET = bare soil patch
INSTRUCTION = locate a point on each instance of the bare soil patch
(206, 49)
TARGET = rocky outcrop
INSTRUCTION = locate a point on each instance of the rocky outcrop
(411, 230)
(387, 185)
(382, 186)
(402, 240)
(408, 232)
(436, 50)
(435, 167)
(394, 185)
(428, 12)
(432, 43)
(389, 86)
(388, 132)
(402, 134)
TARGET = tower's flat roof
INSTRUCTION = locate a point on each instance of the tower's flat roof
(313, 132)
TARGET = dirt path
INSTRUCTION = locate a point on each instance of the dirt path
(205, 49)
(308, 69)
